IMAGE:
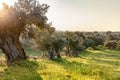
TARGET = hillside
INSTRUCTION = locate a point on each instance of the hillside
(102, 64)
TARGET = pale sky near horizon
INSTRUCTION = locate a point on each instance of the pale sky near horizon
(83, 15)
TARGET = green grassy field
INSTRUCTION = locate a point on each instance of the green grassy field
(100, 64)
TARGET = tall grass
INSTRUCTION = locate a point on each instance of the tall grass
(101, 64)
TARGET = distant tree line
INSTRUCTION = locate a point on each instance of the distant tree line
(72, 43)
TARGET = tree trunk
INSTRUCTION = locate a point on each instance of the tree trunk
(74, 53)
(57, 52)
(12, 49)
(51, 55)
(68, 51)
(58, 55)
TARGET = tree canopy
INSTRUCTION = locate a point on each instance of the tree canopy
(13, 22)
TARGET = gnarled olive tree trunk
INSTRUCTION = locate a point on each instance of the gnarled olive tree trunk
(12, 49)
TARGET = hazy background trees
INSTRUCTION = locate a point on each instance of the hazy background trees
(72, 43)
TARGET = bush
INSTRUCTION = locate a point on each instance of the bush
(89, 43)
(99, 41)
(111, 44)
(118, 46)
(81, 48)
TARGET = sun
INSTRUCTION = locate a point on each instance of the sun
(8, 2)
(1, 5)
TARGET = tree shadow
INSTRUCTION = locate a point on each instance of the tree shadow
(106, 54)
(21, 70)
(76, 67)
(107, 61)
(109, 57)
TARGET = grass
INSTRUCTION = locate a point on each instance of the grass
(101, 64)
(22, 70)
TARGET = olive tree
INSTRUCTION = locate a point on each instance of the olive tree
(58, 43)
(74, 43)
(13, 21)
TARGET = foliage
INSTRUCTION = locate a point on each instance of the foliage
(74, 43)
(17, 20)
(70, 42)
(118, 46)
(89, 43)
(111, 44)
(53, 43)
(58, 43)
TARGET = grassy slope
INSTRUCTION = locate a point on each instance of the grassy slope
(89, 65)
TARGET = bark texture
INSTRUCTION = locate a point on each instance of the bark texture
(12, 49)
(51, 55)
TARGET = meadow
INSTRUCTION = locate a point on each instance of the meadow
(35, 47)
(101, 64)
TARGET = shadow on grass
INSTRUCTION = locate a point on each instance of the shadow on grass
(75, 68)
(105, 54)
(113, 53)
(21, 70)
(109, 57)
(108, 62)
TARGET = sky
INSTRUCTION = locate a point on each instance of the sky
(83, 15)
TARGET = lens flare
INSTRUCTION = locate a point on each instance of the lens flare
(1, 5)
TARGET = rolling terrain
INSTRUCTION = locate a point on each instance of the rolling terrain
(101, 64)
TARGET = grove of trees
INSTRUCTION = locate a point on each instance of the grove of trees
(26, 22)
(72, 43)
